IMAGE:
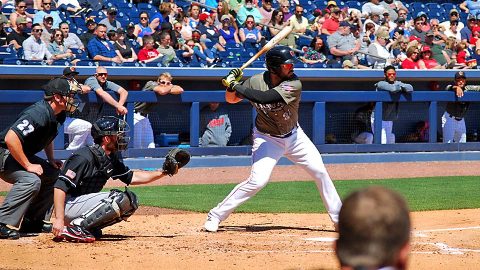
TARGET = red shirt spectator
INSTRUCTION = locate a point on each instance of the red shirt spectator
(145, 54)
(411, 62)
(331, 24)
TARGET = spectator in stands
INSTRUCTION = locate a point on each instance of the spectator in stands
(177, 32)
(100, 49)
(3, 18)
(130, 35)
(285, 8)
(411, 62)
(392, 6)
(20, 11)
(194, 12)
(70, 40)
(400, 30)
(462, 53)
(223, 8)
(143, 132)
(438, 54)
(453, 30)
(165, 9)
(18, 35)
(276, 25)
(316, 53)
(439, 36)
(168, 28)
(299, 22)
(249, 9)
(466, 32)
(71, 6)
(3, 33)
(362, 124)
(148, 53)
(453, 17)
(215, 124)
(426, 61)
(331, 24)
(374, 230)
(34, 48)
(372, 7)
(201, 49)
(417, 31)
(450, 48)
(112, 36)
(423, 16)
(249, 33)
(235, 5)
(90, 33)
(470, 7)
(399, 49)
(166, 49)
(123, 49)
(266, 11)
(317, 24)
(228, 32)
(343, 45)
(210, 33)
(143, 28)
(57, 48)
(47, 28)
(355, 18)
(390, 109)
(111, 20)
(47, 10)
(379, 48)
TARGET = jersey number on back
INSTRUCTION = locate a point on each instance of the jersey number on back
(25, 127)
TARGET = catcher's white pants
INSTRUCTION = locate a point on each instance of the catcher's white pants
(76, 206)
(266, 152)
(79, 132)
(453, 130)
(387, 136)
(142, 132)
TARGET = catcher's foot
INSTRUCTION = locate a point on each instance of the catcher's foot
(211, 225)
(77, 234)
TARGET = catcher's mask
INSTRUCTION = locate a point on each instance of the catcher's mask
(112, 126)
(64, 88)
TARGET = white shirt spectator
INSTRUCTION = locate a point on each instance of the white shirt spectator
(35, 49)
(371, 7)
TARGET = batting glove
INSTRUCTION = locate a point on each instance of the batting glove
(229, 81)
(237, 73)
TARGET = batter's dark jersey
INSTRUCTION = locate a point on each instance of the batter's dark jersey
(36, 127)
(88, 170)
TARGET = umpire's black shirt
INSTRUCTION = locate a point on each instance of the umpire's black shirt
(36, 127)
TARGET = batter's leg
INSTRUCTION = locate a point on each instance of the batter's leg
(266, 152)
(303, 152)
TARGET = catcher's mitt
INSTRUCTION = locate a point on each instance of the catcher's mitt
(174, 160)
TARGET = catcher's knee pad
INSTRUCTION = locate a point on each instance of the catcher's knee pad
(117, 207)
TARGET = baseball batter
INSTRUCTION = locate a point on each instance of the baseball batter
(276, 96)
(453, 122)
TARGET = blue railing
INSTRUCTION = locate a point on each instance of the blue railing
(319, 100)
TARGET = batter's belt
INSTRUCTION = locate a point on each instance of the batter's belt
(281, 136)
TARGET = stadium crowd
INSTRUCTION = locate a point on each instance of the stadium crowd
(371, 34)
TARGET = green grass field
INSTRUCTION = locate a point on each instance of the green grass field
(431, 193)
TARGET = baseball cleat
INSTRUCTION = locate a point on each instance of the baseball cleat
(211, 225)
(8, 233)
(77, 234)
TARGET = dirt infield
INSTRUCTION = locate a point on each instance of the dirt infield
(165, 239)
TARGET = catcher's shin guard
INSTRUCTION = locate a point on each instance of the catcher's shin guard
(117, 207)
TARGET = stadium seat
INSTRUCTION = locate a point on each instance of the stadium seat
(14, 61)
(88, 63)
(35, 62)
(61, 63)
(236, 63)
(354, 4)
(417, 7)
(144, 7)
(258, 64)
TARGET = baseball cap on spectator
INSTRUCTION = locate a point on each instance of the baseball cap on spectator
(453, 11)
(412, 38)
(317, 12)
(460, 75)
(333, 3)
(69, 71)
(471, 17)
(120, 30)
(48, 16)
(225, 17)
(344, 23)
(89, 22)
(347, 63)
(203, 17)
(426, 49)
(21, 20)
(420, 14)
(112, 10)
(130, 25)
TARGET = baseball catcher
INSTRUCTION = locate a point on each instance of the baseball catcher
(81, 209)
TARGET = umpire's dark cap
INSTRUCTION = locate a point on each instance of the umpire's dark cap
(69, 71)
(57, 86)
(460, 75)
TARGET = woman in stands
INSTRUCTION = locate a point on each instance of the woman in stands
(228, 32)
(20, 11)
(379, 48)
(143, 28)
(411, 62)
(316, 53)
(224, 9)
(399, 48)
(57, 48)
(123, 49)
(276, 24)
(426, 61)
(249, 33)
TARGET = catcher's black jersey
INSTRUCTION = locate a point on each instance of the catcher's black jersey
(88, 170)
(36, 127)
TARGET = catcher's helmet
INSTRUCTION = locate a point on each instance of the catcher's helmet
(279, 55)
(112, 126)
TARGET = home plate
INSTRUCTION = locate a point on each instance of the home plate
(321, 239)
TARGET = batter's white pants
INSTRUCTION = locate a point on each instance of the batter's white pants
(387, 136)
(266, 151)
(79, 132)
(142, 132)
(453, 130)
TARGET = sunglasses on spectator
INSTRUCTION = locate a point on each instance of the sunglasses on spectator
(143, 18)
(58, 35)
(47, 4)
(37, 30)
(285, 6)
(102, 74)
(250, 22)
(178, 27)
(165, 82)
(22, 6)
(112, 13)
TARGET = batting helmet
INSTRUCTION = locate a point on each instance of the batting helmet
(279, 55)
(111, 126)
